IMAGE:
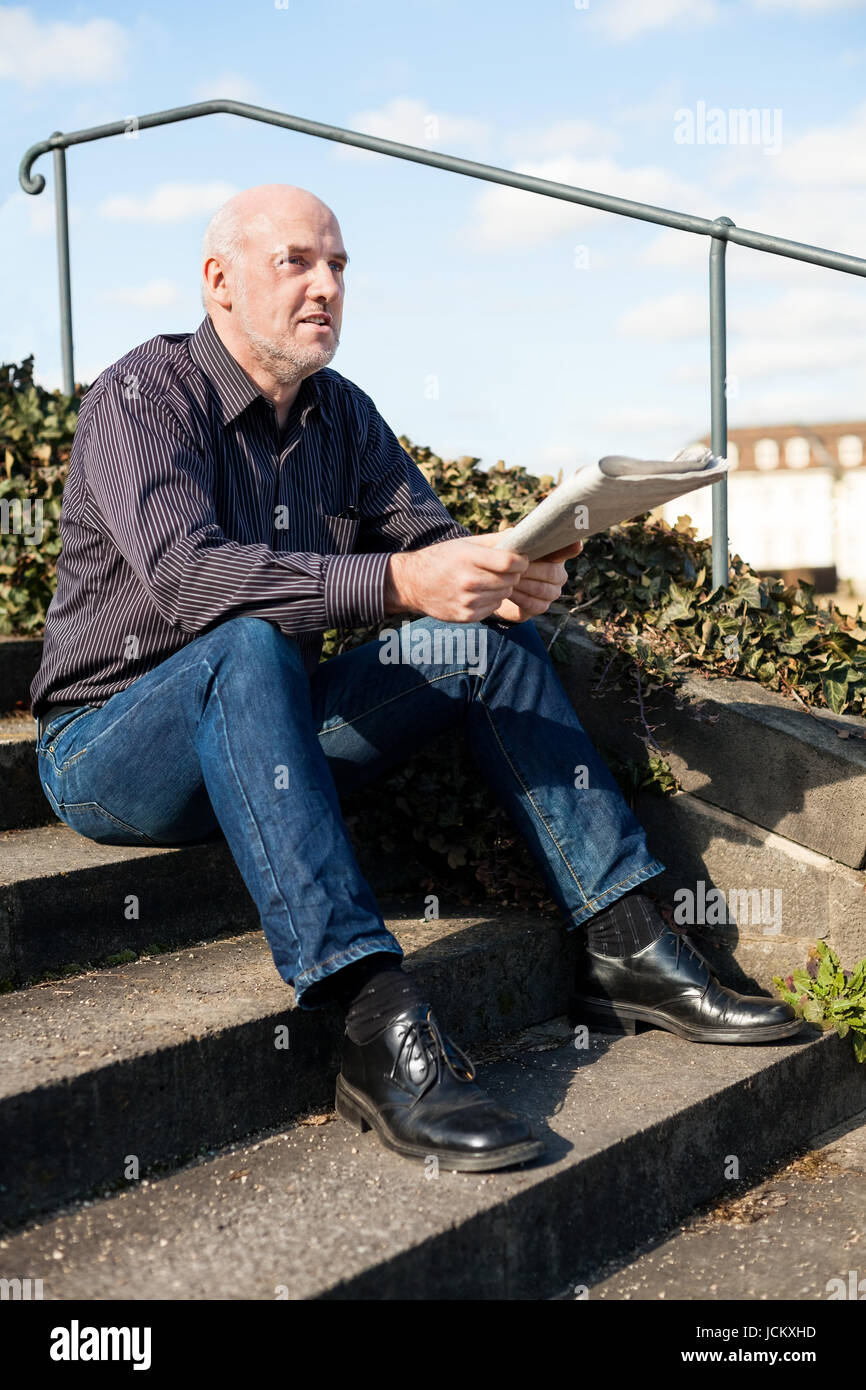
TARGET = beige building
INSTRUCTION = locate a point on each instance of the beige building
(796, 501)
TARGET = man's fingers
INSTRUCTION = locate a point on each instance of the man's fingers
(548, 571)
(568, 552)
(542, 594)
(499, 562)
(518, 609)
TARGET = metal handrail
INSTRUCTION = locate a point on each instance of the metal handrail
(720, 229)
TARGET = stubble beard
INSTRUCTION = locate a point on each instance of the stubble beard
(287, 362)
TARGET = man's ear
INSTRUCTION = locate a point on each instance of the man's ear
(216, 282)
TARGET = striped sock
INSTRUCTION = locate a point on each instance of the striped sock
(628, 925)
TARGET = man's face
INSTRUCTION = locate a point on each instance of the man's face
(292, 271)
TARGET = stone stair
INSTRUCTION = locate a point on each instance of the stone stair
(773, 802)
(164, 1041)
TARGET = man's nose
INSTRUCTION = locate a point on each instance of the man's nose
(324, 283)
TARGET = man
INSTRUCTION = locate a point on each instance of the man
(229, 498)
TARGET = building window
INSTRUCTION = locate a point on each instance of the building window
(850, 450)
(797, 452)
(766, 454)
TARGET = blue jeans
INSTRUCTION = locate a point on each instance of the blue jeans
(231, 737)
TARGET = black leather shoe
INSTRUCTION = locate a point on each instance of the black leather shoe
(417, 1090)
(670, 985)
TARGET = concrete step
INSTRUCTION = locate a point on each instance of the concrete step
(796, 1235)
(799, 772)
(65, 899)
(22, 800)
(779, 897)
(162, 1056)
(639, 1131)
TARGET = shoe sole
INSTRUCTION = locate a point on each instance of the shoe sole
(357, 1110)
(625, 1018)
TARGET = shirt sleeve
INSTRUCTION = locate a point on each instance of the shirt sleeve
(399, 511)
(153, 487)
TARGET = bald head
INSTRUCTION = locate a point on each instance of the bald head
(252, 214)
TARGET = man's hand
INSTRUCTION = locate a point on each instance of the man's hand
(459, 581)
(466, 580)
(539, 586)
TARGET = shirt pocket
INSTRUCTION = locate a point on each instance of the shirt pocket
(338, 534)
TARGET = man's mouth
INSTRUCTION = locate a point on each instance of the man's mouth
(320, 321)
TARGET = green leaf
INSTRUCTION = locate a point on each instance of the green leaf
(835, 687)
(857, 982)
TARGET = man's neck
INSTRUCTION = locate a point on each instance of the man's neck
(281, 395)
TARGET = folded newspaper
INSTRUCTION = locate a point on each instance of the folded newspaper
(607, 492)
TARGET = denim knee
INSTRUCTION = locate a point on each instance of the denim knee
(255, 635)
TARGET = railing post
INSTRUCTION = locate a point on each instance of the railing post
(62, 220)
(719, 403)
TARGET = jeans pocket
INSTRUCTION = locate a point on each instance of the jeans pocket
(94, 822)
(55, 732)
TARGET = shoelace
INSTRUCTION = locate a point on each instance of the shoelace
(683, 940)
(426, 1035)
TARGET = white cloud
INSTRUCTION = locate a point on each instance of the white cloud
(157, 294)
(662, 104)
(33, 213)
(34, 52)
(562, 137)
(803, 329)
(766, 356)
(807, 312)
(412, 122)
(505, 217)
(771, 354)
(233, 86)
(683, 314)
(640, 420)
(620, 20)
(830, 154)
(171, 202)
(793, 404)
(801, 314)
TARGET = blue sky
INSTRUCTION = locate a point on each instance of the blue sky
(481, 320)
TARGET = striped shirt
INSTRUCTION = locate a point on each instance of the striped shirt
(183, 507)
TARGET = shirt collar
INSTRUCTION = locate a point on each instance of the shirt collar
(235, 390)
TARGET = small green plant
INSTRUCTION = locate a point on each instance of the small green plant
(121, 958)
(825, 993)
